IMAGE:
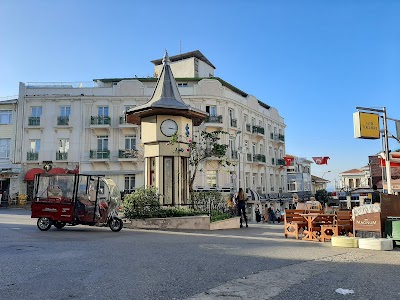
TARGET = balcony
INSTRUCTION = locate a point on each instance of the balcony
(234, 123)
(128, 153)
(214, 119)
(100, 120)
(281, 138)
(234, 154)
(62, 120)
(99, 154)
(280, 162)
(249, 157)
(126, 128)
(32, 156)
(259, 158)
(258, 130)
(34, 121)
(61, 155)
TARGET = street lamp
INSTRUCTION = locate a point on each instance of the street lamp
(239, 149)
(325, 173)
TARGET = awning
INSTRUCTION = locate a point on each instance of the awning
(254, 195)
(30, 175)
(57, 171)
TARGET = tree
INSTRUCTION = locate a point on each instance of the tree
(206, 146)
(321, 196)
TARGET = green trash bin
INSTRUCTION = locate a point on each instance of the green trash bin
(396, 230)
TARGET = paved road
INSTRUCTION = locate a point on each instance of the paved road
(250, 263)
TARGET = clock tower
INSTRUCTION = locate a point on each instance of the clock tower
(166, 115)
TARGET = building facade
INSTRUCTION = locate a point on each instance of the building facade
(299, 177)
(79, 126)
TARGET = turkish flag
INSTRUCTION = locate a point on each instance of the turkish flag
(323, 160)
(288, 160)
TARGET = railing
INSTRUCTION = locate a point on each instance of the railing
(34, 121)
(32, 156)
(258, 129)
(62, 120)
(280, 162)
(233, 122)
(259, 158)
(234, 154)
(122, 120)
(127, 153)
(248, 127)
(281, 137)
(61, 155)
(214, 119)
(100, 120)
(61, 85)
(99, 154)
(15, 97)
(249, 157)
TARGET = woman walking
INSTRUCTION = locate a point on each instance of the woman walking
(241, 204)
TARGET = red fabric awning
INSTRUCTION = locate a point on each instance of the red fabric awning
(30, 175)
(57, 171)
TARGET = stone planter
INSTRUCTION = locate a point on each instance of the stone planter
(191, 223)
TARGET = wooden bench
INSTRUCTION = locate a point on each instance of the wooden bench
(294, 222)
(342, 225)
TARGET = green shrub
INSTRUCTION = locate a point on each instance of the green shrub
(142, 203)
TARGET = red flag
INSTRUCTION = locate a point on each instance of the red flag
(321, 160)
(288, 160)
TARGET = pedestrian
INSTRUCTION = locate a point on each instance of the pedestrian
(240, 198)
(272, 215)
(266, 217)
(278, 215)
(258, 214)
(376, 196)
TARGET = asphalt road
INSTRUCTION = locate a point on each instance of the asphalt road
(85, 262)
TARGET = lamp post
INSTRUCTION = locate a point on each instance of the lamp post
(239, 149)
(323, 177)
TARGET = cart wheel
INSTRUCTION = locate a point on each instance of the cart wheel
(116, 224)
(59, 225)
(44, 224)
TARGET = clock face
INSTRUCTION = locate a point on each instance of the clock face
(169, 127)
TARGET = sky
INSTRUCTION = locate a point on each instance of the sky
(314, 61)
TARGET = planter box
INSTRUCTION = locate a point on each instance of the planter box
(191, 223)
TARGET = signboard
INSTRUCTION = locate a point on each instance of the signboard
(366, 125)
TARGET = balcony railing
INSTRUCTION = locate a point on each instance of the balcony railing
(249, 157)
(61, 155)
(34, 121)
(214, 119)
(32, 156)
(280, 162)
(234, 154)
(127, 153)
(258, 129)
(233, 122)
(100, 120)
(99, 154)
(62, 120)
(259, 158)
(122, 120)
(281, 137)
(248, 127)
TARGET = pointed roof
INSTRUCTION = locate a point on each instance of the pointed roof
(166, 100)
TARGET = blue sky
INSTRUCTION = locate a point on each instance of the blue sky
(315, 61)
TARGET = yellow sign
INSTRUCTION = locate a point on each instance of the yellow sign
(366, 125)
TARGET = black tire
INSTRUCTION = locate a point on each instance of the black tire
(44, 224)
(115, 224)
(59, 225)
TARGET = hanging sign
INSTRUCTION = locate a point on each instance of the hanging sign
(366, 125)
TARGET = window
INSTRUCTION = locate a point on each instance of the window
(291, 185)
(5, 117)
(103, 111)
(254, 149)
(65, 111)
(63, 145)
(34, 146)
(5, 145)
(183, 84)
(271, 182)
(262, 179)
(130, 142)
(253, 121)
(102, 143)
(211, 178)
(212, 110)
(129, 184)
(254, 179)
(36, 111)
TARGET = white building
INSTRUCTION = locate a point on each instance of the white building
(74, 125)
(299, 177)
(355, 178)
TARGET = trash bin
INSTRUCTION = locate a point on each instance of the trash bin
(396, 230)
(21, 199)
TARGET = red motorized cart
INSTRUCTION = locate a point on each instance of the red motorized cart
(73, 199)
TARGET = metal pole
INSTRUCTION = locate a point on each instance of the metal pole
(386, 149)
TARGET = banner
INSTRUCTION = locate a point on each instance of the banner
(323, 160)
(382, 163)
